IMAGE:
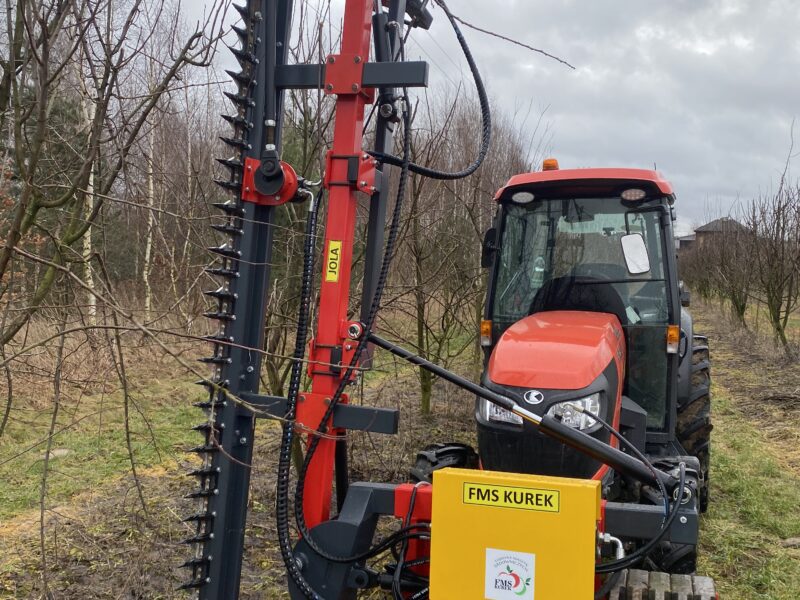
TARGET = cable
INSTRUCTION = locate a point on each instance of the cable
(636, 452)
(287, 431)
(642, 552)
(486, 118)
(397, 593)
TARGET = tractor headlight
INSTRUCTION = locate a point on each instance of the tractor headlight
(492, 412)
(571, 415)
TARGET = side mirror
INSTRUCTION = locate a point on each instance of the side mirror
(489, 248)
(686, 296)
(635, 252)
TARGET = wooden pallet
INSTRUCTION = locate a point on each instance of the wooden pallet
(635, 584)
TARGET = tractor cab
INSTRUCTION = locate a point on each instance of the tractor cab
(582, 308)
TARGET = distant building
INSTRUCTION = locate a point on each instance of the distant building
(685, 242)
(709, 232)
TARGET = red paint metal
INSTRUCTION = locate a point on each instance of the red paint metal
(340, 227)
(557, 350)
(579, 175)
(251, 194)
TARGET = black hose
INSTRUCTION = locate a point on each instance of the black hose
(287, 432)
(397, 593)
(486, 118)
(642, 552)
(638, 454)
(609, 583)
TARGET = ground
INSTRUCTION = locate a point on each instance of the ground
(100, 543)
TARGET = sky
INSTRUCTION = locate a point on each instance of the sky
(706, 90)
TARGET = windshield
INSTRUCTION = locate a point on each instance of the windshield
(577, 241)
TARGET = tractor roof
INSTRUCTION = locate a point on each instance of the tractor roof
(589, 178)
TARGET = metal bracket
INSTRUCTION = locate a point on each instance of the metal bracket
(345, 416)
(356, 171)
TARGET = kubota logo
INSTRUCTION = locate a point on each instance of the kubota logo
(533, 397)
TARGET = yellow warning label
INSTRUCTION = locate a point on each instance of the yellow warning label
(334, 262)
(512, 497)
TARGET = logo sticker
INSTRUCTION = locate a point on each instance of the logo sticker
(533, 397)
(509, 575)
(503, 496)
(334, 262)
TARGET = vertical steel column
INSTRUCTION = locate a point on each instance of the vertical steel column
(339, 237)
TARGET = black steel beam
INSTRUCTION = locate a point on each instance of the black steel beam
(376, 75)
(223, 551)
(643, 522)
(345, 416)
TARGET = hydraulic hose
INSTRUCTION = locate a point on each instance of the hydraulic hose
(486, 117)
(642, 552)
(287, 432)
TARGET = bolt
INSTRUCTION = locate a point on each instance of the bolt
(684, 520)
(249, 167)
(386, 110)
(357, 59)
(331, 59)
(247, 189)
(277, 198)
(348, 347)
(243, 441)
(354, 87)
(363, 184)
(329, 87)
(250, 369)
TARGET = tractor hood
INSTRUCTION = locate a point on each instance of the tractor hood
(557, 350)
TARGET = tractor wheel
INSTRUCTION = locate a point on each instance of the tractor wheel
(439, 456)
(694, 416)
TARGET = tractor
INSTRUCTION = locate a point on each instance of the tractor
(585, 314)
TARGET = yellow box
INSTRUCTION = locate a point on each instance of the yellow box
(506, 536)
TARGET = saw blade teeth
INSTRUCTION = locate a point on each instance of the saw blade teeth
(221, 293)
(242, 33)
(222, 272)
(225, 250)
(205, 449)
(243, 11)
(240, 100)
(238, 121)
(200, 494)
(195, 584)
(204, 473)
(219, 316)
(215, 360)
(233, 163)
(196, 562)
(198, 539)
(231, 186)
(236, 143)
(208, 405)
(246, 59)
(230, 207)
(240, 77)
(227, 229)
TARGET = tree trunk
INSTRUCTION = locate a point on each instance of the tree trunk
(148, 244)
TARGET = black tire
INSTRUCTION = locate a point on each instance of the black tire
(439, 456)
(694, 416)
